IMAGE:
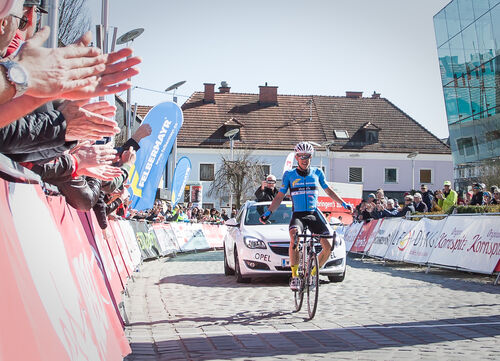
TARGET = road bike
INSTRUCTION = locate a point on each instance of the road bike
(308, 260)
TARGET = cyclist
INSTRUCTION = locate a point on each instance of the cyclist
(304, 182)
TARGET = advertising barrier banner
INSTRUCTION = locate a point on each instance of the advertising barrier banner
(75, 304)
(400, 240)
(364, 236)
(129, 237)
(383, 237)
(471, 245)
(146, 239)
(214, 234)
(422, 239)
(350, 235)
(166, 239)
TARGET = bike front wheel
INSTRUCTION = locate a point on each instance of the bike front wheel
(312, 285)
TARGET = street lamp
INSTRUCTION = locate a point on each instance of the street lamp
(231, 134)
(412, 156)
(125, 39)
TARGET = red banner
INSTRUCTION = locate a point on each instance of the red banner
(363, 237)
(55, 304)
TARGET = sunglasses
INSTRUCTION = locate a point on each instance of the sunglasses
(23, 21)
(304, 156)
(271, 182)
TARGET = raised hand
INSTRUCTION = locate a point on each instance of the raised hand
(103, 172)
(82, 124)
(91, 155)
(53, 72)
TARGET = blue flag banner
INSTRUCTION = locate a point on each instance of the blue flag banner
(165, 120)
(181, 175)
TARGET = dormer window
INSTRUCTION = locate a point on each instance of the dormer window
(371, 136)
(371, 133)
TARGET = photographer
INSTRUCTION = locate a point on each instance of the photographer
(267, 191)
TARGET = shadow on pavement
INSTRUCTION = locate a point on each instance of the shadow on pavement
(451, 279)
(293, 342)
(200, 256)
(220, 280)
(241, 318)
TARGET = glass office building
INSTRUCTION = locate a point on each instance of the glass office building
(468, 39)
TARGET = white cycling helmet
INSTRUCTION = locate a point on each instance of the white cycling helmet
(304, 147)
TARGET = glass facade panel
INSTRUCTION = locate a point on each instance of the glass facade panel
(471, 47)
(486, 42)
(440, 28)
(480, 7)
(469, 61)
(457, 56)
(452, 19)
(495, 20)
(445, 64)
(466, 12)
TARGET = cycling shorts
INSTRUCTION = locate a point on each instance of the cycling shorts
(317, 226)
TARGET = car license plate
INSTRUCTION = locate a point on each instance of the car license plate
(285, 262)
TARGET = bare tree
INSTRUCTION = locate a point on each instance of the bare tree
(240, 177)
(74, 20)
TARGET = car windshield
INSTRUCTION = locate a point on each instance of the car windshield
(281, 215)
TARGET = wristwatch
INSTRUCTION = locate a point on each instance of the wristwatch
(17, 75)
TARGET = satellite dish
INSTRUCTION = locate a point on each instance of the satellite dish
(327, 143)
(231, 133)
(129, 36)
(412, 155)
(315, 144)
(175, 86)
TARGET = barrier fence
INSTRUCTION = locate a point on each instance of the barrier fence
(469, 243)
(63, 277)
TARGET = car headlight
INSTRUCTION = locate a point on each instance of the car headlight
(252, 242)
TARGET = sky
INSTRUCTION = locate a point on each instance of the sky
(314, 47)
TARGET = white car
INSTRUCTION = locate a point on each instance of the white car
(253, 249)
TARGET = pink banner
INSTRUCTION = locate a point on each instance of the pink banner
(62, 308)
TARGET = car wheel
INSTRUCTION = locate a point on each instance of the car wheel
(227, 270)
(237, 270)
(339, 278)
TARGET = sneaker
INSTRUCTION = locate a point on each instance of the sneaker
(295, 284)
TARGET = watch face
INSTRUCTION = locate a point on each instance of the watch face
(18, 75)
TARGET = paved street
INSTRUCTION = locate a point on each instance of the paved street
(186, 309)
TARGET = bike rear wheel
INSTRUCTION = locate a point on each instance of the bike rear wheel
(312, 285)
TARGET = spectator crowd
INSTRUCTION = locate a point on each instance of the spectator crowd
(377, 205)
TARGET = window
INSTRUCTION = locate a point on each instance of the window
(371, 136)
(341, 134)
(207, 205)
(426, 176)
(355, 175)
(466, 146)
(266, 169)
(391, 175)
(207, 172)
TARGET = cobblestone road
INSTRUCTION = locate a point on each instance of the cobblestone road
(186, 309)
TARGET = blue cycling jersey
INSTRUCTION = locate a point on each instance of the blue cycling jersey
(304, 189)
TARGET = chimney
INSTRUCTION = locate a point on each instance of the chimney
(268, 95)
(224, 88)
(209, 96)
(350, 94)
(375, 95)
